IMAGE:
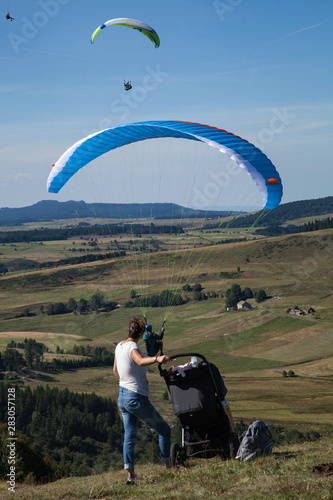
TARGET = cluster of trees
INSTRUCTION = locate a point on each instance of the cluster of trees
(95, 303)
(165, 299)
(33, 357)
(260, 295)
(25, 313)
(198, 293)
(74, 434)
(235, 294)
(12, 360)
(3, 269)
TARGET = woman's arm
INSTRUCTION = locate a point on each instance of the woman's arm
(149, 360)
(115, 371)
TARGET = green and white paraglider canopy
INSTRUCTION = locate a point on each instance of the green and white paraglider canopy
(130, 23)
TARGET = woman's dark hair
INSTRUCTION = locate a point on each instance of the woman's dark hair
(136, 328)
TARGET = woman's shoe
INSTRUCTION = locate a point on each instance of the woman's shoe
(131, 480)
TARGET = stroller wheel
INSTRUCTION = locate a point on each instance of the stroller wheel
(177, 455)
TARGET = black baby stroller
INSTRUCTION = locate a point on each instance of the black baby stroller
(197, 394)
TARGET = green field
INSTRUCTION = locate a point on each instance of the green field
(251, 348)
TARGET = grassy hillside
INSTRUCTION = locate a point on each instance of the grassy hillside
(293, 270)
(293, 472)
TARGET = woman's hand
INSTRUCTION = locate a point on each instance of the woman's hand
(163, 359)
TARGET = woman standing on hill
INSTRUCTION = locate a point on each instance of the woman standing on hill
(130, 369)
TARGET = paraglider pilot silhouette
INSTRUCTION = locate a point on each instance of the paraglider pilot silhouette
(127, 85)
(9, 17)
(153, 341)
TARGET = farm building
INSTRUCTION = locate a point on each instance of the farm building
(242, 304)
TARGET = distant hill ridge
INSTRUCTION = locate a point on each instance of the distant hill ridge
(298, 209)
(54, 210)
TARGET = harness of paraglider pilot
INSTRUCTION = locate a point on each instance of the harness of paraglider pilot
(127, 85)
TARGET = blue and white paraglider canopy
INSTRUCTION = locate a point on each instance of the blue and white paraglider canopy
(245, 154)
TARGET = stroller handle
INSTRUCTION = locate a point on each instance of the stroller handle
(183, 355)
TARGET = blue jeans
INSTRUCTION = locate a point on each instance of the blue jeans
(135, 407)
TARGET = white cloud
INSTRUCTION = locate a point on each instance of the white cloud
(19, 177)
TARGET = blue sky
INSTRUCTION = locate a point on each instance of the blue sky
(261, 70)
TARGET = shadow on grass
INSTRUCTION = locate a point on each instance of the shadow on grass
(41, 376)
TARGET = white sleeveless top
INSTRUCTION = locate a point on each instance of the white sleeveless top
(132, 376)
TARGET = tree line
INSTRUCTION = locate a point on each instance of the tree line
(290, 211)
(81, 260)
(96, 230)
(96, 303)
(165, 299)
(316, 225)
(277, 230)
